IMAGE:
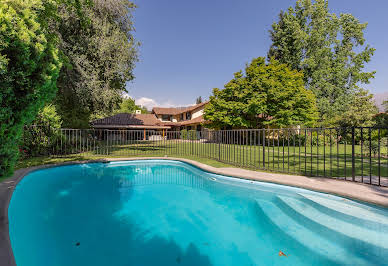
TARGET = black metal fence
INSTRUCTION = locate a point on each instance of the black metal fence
(354, 154)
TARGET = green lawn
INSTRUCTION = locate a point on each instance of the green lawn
(29, 162)
(333, 161)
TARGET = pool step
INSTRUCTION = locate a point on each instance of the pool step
(348, 210)
(312, 242)
(370, 243)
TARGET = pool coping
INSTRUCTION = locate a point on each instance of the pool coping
(356, 191)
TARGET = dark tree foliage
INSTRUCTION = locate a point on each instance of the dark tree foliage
(99, 60)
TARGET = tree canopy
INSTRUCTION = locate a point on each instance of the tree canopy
(99, 59)
(29, 68)
(128, 106)
(266, 94)
(360, 112)
(329, 49)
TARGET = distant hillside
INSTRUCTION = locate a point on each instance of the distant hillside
(379, 98)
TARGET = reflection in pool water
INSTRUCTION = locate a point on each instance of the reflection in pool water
(160, 212)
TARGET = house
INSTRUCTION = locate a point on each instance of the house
(160, 119)
(190, 118)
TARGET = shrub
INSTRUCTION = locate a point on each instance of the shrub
(29, 67)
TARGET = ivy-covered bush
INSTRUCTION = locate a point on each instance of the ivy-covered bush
(42, 137)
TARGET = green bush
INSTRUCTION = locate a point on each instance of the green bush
(184, 134)
(41, 138)
(189, 134)
(29, 68)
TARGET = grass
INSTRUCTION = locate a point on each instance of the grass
(332, 161)
(35, 161)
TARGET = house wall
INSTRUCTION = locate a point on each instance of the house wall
(177, 118)
(160, 118)
(197, 112)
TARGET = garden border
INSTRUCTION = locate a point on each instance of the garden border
(355, 191)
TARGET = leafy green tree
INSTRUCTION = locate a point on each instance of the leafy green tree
(29, 67)
(266, 94)
(198, 100)
(329, 49)
(128, 106)
(48, 117)
(360, 112)
(100, 56)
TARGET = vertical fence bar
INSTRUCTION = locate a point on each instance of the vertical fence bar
(299, 163)
(264, 148)
(273, 149)
(311, 153)
(379, 161)
(278, 156)
(353, 156)
(362, 156)
(345, 144)
(317, 152)
(305, 151)
(219, 147)
(324, 153)
(370, 155)
(331, 145)
(283, 139)
(254, 146)
(288, 150)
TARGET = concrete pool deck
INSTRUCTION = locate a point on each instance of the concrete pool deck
(352, 190)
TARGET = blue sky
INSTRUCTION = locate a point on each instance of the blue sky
(190, 47)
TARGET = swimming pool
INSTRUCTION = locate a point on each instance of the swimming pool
(164, 212)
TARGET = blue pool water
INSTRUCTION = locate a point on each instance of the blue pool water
(160, 212)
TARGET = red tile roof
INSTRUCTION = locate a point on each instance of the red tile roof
(129, 120)
(175, 110)
(196, 120)
(125, 120)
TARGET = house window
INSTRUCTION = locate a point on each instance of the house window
(166, 117)
(181, 117)
(188, 116)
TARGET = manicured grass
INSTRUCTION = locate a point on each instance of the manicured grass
(335, 161)
(29, 162)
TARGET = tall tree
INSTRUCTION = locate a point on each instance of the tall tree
(100, 57)
(29, 67)
(198, 100)
(329, 49)
(266, 94)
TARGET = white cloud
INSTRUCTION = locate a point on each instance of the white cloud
(150, 103)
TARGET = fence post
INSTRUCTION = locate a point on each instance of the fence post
(219, 145)
(264, 148)
(353, 156)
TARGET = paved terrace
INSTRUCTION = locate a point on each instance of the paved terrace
(352, 190)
